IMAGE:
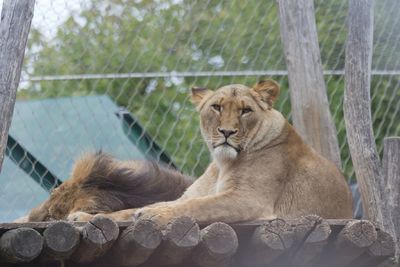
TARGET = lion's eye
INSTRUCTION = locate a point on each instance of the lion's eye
(216, 107)
(246, 110)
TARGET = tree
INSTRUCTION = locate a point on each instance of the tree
(121, 36)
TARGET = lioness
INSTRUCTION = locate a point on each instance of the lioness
(261, 167)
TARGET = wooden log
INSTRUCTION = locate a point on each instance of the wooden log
(238, 227)
(382, 249)
(181, 236)
(354, 239)
(357, 107)
(136, 243)
(60, 241)
(312, 234)
(310, 106)
(267, 242)
(20, 245)
(16, 17)
(218, 244)
(41, 226)
(391, 169)
(98, 235)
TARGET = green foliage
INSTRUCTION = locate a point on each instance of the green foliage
(121, 36)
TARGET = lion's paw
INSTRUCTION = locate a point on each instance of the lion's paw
(161, 215)
(79, 216)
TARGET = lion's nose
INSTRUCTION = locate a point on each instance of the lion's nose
(227, 132)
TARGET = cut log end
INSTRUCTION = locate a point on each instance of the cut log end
(312, 234)
(181, 236)
(217, 246)
(358, 234)
(183, 232)
(268, 242)
(137, 243)
(351, 242)
(305, 227)
(382, 249)
(384, 246)
(20, 245)
(60, 240)
(276, 235)
(98, 235)
(101, 230)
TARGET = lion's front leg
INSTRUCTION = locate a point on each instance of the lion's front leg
(229, 207)
(121, 215)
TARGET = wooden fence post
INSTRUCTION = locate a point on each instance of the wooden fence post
(391, 174)
(15, 23)
(379, 185)
(310, 107)
(357, 107)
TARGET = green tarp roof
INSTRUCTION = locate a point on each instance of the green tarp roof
(56, 131)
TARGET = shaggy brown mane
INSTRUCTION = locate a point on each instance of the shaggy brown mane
(101, 184)
(119, 187)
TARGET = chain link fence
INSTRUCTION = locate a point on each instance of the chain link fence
(115, 75)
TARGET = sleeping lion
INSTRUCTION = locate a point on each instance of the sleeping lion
(261, 169)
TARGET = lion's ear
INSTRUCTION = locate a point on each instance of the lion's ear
(268, 90)
(198, 93)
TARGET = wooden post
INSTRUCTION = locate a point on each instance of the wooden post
(310, 107)
(217, 246)
(352, 241)
(294, 242)
(379, 251)
(20, 245)
(137, 243)
(98, 236)
(391, 171)
(180, 237)
(312, 234)
(16, 18)
(268, 242)
(357, 107)
(60, 240)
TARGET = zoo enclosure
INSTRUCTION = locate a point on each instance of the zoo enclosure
(146, 55)
(295, 18)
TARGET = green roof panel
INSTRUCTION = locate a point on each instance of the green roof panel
(57, 131)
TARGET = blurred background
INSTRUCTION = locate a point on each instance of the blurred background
(115, 75)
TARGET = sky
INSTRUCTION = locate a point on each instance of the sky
(49, 14)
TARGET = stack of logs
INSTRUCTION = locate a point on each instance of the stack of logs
(307, 241)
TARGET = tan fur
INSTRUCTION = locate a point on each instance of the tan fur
(264, 171)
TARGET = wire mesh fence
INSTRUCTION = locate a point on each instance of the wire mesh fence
(87, 59)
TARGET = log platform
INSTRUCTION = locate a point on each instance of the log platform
(306, 241)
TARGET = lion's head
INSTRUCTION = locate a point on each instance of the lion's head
(101, 184)
(74, 194)
(238, 119)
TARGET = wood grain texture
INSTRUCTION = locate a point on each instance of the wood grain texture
(308, 97)
(294, 242)
(136, 243)
(179, 238)
(312, 236)
(218, 244)
(16, 17)
(391, 174)
(61, 239)
(268, 242)
(382, 249)
(239, 227)
(357, 107)
(20, 245)
(98, 236)
(351, 242)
